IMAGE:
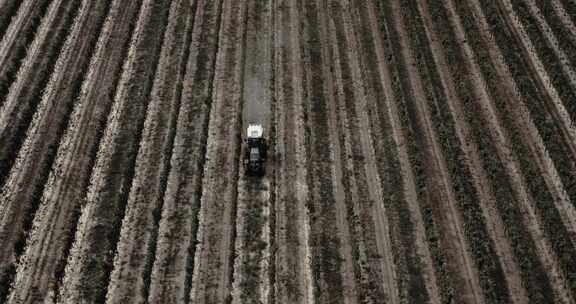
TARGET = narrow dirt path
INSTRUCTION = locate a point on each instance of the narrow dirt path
(26, 92)
(251, 279)
(46, 248)
(349, 64)
(173, 266)
(211, 280)
(408, 179)
(487, 200)
(293, 275)
(503, 147)
(130, 277)
(454, 239)
(90, 261)
(16, 40)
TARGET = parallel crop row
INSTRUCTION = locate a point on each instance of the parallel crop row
(415, 268)
(325, 240)
(547, 49)
(16, 113)
(509, 214)
(99, 226)
(14, 42)
(26, 91)
(130, 278)
(407, 137)
(482, 245)
(8, 9)
(30, 171)
(293, 269)
(174, 258)
(535, 98)
(213, 258)
(545, 201)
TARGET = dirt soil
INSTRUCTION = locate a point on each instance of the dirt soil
(418, 151)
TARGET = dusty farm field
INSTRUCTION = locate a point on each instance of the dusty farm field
(420, 151)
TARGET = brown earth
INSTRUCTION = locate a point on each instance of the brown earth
(419, 151)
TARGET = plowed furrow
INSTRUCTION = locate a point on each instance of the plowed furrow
(97, 231)
(70, 173)
(173, 265)
(36, 277)
(503, 146)
(462, 265)
(135, 251)
(293, 275)
(87, 123)
(530, 134)
(356, 99)
(336, 126)
(251, 264)
(26, 92)
(552, 41)
(16, 217)
(408, 179)
(330, 240)
(564, 18)
(560, 110)
(486, 200)
(211, 280)
(16, 40)
(8, 9)
(352, 210)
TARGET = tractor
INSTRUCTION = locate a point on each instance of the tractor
(255, 152)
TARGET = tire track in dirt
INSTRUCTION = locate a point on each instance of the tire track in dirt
(90, 259)
(15, 41)
(525, 124)
(487, 200)
(408, 179)
(15, 217)
(559, 111)
(31, 169)
(172, 270)
(130, 277)
(211, 280)
(502, 144)
(26, 92)
(293, 272)
(357, 95)
(454, 239)
(251, 278)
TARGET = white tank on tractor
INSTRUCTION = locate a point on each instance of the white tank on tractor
(255, 152)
